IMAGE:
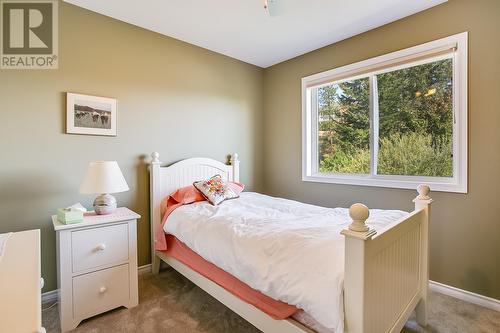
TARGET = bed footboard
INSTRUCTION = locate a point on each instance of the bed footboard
(386, 275)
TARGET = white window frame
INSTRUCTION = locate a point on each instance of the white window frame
(438, 49)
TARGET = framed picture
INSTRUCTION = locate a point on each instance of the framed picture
(90, 115)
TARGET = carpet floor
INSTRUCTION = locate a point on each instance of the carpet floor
(168, 302)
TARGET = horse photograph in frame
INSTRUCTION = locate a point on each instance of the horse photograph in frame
(91, 115)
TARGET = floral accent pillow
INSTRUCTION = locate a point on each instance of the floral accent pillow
(215, 190)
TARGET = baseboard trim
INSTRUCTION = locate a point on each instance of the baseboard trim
(144, 269)
(464, 295)
(53, 295)
(50, 296)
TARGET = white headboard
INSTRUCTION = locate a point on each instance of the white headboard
(165, 180)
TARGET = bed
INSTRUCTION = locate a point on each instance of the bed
(384, 276)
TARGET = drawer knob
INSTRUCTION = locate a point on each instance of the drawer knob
(102, 290)
(101, 247)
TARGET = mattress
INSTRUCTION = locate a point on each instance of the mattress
(287, 250)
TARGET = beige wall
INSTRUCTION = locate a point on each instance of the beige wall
(173, 97)
(465, 232)
(167, 89)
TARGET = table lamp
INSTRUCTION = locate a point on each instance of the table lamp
(104, 177)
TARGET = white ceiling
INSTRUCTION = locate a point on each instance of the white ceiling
(243, 30)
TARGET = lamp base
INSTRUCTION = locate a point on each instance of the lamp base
(104, 204)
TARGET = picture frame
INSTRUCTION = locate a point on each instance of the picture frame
(91, 115)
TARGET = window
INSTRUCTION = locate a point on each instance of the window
(395, 121)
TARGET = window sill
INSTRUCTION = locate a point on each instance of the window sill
(403, 182)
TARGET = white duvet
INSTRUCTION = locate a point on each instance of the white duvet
(287, 250)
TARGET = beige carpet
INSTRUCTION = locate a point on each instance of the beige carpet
(170, 303)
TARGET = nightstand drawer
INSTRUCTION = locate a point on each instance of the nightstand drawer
(93, 248)
(100, 291)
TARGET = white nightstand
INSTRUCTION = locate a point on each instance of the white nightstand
(96, 265)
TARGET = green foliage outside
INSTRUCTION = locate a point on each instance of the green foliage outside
(357, 161)
(413, 154)
(415, 123)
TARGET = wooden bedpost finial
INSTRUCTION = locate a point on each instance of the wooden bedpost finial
(359, 214)
(156, 157)
(423, 199)
(423, 192)
(234, 158)
(235, 163)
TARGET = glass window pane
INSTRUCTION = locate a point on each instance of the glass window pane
(416, 120)
(344, 127)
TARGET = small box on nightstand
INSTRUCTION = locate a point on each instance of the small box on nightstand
(68, 216)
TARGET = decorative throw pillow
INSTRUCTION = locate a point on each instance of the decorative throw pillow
(215, 190)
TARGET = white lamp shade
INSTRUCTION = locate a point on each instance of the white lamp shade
(104, 177)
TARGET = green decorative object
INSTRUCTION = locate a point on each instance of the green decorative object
(69, 216)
